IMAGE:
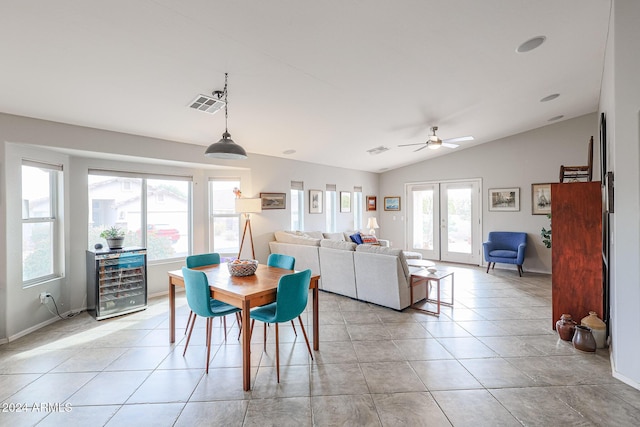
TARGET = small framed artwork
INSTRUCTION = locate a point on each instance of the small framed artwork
(273, 200)
(392, 203)
(315, 201)
(540, 199)
(345, 201)
(372, 203)
(504, 199)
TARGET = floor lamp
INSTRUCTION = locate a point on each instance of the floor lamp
(247, 207)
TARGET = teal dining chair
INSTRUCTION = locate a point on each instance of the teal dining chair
(291, 300)
(200, 301)
(200, 260)
(280, 261)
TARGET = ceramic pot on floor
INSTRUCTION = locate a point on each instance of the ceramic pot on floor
(598, 328)
(566, 327)
(583, 339)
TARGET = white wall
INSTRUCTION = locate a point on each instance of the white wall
(620, 101)
(81, 149)
(517, 161)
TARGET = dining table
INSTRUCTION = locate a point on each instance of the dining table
(244, 292)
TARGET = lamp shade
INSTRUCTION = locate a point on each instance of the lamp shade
(372, 224)
(249, 205)
(226, 149)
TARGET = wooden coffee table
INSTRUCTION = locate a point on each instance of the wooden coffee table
(429, 279)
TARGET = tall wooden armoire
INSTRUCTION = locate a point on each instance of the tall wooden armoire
(576, 249)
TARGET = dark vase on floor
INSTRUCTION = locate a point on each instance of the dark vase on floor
(583, 339)
(566, 327)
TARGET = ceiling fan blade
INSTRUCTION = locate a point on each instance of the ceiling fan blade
(421, 148)
(407, 145)
(459, 139)
(446, 144)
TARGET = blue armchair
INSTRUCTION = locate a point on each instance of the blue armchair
(506, 247)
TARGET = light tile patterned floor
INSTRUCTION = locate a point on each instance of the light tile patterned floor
(492, 359)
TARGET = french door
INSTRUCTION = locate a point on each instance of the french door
(444, 220)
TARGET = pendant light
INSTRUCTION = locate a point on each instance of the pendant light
(225, 148)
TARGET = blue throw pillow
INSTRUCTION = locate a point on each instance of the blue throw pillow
(356, 238)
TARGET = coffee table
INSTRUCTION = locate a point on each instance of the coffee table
(431, 279)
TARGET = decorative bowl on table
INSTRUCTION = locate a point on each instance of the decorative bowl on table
(242, 267)
(432, 269)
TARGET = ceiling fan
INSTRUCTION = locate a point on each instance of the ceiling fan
(434, 142)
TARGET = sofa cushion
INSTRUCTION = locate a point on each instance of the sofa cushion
(347, 235)
(338, 244)
(369, 238)
(313, 234)
(356, 238)
(387, 251)
(287, 237)
(334, 236)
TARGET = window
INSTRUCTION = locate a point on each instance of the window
(357, 208)
(297, 205)
(224, 221)
(41, 227)
(153, 211)
(332, 208)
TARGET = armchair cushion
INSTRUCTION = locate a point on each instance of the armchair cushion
(507, 247)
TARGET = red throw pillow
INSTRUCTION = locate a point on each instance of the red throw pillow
(368, 238)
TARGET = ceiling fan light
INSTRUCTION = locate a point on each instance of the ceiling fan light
(225, 149)
(434, 145)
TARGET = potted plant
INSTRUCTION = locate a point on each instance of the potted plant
(114, 237)
(546, 234)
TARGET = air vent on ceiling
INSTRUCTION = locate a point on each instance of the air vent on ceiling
(206, 104)
(377, 150)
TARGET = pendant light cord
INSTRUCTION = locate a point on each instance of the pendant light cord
(226, 103)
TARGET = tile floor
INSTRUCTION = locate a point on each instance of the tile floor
(490, 360)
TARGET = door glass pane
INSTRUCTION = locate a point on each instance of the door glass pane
(459, 228)
(423, 219)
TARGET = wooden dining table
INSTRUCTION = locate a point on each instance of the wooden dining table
(245, 293)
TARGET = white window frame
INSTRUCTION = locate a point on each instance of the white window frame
(213, 215)
(55, 212)
(331, 205)
(297, 193)
(143, 202)
(357, 208)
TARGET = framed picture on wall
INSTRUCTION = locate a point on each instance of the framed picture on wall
(392, 203)
(372, 203)
(504, 199)
(274, 200)
(345, 201)
(540, 199)
(315, 201)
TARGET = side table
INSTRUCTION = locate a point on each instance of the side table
(430, 279)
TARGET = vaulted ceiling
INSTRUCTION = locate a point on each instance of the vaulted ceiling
(328, 79)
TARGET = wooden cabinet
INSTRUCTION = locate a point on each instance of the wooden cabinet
(576, 249)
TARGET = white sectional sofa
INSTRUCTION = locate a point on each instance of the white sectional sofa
(375, 274)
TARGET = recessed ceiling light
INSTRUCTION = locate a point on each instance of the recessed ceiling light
(287, 152)
(550, 97)
(553, 119)
(531, 44)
